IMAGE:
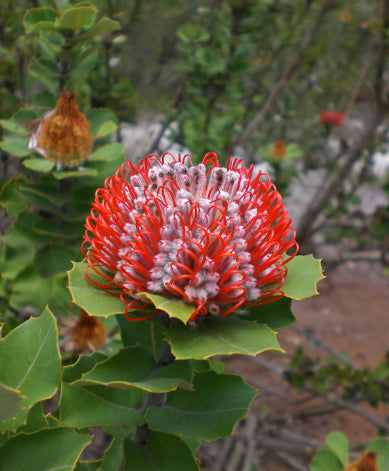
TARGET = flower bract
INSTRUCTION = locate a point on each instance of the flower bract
(211, 236)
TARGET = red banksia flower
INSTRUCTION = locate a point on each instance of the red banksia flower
(64, 134)
(332, 118)
(210, 236)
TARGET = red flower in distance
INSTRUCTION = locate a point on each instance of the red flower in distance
(210, 236)
(332, 118)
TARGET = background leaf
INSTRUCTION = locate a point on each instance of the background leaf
(338, 443)
(326, 460)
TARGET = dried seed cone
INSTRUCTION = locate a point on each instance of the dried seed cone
(368, 462)
(64, 135)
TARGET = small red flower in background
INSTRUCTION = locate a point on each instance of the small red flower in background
(64, 134)
(210, 236)
(332, 118)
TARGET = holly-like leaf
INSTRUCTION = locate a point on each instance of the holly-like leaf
(326, 460)
(220, 336)
(95, 405)
(174, 309)
(338, 443)
(162, 452)
(30, 363)
(276, 314)
(84, 363)
(93, 299)
(10, 400)
(45, 450)
(135, 367)
(304, 272)
(209, 412)
(381, 447)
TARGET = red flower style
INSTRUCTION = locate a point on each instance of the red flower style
(332, 118)
(210, 236)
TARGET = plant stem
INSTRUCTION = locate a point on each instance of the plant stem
(142, 432)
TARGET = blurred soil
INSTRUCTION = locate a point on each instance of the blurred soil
(351, 315)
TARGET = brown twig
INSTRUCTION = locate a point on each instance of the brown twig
(290, 70)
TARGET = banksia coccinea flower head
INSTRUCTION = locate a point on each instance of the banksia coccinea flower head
(64, 134)
(332, 118)
(210, 236)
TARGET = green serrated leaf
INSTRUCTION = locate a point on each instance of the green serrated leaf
(163, 452)
(39, 165)
(220, 336)
(338, 443)
(84, 363)
(175, 309)
(135, 367)
(94, 300)
(326, 460)
(96, 405)
(209, 412)
(107, 152)
(304, 272)
(45, 450)
(276, 314)
(36, 420)
(10, 400)
(30, 363)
